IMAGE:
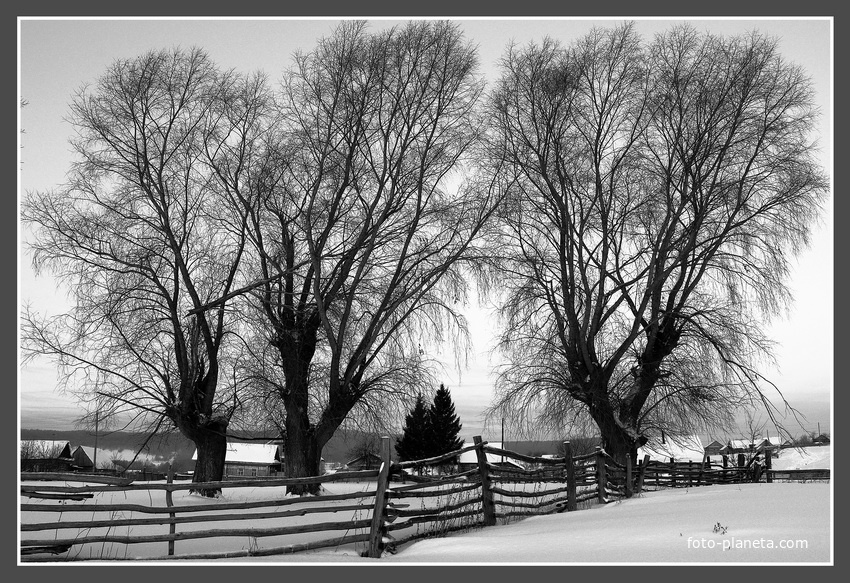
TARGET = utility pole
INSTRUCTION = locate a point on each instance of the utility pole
(503, 438)
(96, 420)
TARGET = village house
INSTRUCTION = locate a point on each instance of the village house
(250, 460)
(366, 461)
(714, 448)
(87, 459)
(41, 455)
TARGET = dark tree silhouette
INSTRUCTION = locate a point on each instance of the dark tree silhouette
(416, 441)
(360, 244)
(445, 425)
(656, 194)
(145, 231)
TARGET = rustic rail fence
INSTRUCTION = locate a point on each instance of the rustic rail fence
(410, 500)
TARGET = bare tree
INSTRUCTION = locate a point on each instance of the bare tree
(655, 195)
(361, 236)
(143, 232)
(40, 449)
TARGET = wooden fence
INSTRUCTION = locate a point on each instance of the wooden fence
(411, 500)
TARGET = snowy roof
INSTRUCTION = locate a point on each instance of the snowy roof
(740, 443)
(251, 453)
(687, 448)
(102, 455)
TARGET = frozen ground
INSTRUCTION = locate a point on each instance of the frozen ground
(806, 458)
(747, 523)
(670, 526)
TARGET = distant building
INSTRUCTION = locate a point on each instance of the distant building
(367, 461)
(85, 457)
(821, 439)
(734, 446)
(41, 455)
(714, 448)
(250, 460)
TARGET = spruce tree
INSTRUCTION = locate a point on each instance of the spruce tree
(445, 425)
(416, 439)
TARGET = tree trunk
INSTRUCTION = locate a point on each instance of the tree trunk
(211, 443)
(618, 441)
(302, 458)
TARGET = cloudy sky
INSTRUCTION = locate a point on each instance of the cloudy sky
(57, 56)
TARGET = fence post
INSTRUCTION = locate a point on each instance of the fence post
(641, 473)
(601, 477)
(629, 476)
(768, 466)
(376, 532)
(488, 503)
(169, 501)
(672, 472)
(571, 476)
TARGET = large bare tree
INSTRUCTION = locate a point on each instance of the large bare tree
(364, 231)
(143, 232)
(654, 196)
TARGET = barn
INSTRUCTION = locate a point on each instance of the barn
(86, 458)
(40, 455)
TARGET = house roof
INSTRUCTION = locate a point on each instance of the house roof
(102, 455)
(773, 439)
(686, 448)
(249, 453)
(372, 456)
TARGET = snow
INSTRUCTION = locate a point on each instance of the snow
(667, 526)
(806, 458)
(257, 453)
(683, 449)
(470, 457)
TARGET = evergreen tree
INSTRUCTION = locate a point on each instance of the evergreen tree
(445, 425)
(416, 440)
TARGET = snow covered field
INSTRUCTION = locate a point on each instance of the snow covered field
(806, 458)
(746, 523)
(670, 526)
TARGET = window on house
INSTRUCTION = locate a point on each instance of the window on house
(240, 471)
(253, 471)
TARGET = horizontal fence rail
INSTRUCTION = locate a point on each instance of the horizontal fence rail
(402, 502)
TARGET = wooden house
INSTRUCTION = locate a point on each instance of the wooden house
(714, 448)
(41, 455)
(821, 439)
(769, 443)
(367, 461)
(250, 460)
(734, 446)
(86, 458)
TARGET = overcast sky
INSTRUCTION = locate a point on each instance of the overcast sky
(56, 57)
